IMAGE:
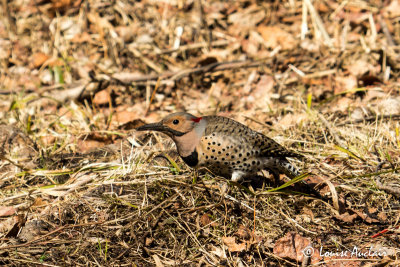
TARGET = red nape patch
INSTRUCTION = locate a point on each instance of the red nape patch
(197, 119)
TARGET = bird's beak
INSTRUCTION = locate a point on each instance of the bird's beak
(152, 127)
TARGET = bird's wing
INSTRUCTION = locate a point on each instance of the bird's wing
(267, 147)
(270, 147)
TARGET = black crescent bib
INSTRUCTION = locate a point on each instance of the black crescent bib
(192, 160)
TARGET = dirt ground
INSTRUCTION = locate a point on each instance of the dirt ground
(80, 187)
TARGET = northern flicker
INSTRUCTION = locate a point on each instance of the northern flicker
(224, 146)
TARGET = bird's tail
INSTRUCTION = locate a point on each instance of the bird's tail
(287, 168)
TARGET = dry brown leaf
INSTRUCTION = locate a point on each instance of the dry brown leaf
(38, 59)
(64, 4)
(127, 33)
(291, 120)
(344, 83)
(261, 95)
(250, 47)
(7, 225)
(382, 216)
(291, 247)
(99, 22)
(361, 66)
(32, 229)
(392, 10)
(148, 241)
(11, 227)
(48, 139)
(102, 97)
(317, 183)
(243, 232)
(389, 106)
(87, 145)
(123, 117)
(81, 38)
(205, 220)
(347, 217)
(243, 20)
(7, 211)
(230, 242)
(39, 203)
(343, 104)
(365, 216)
(275, 36)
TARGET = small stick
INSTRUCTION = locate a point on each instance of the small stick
(331, 131)
(219, 66)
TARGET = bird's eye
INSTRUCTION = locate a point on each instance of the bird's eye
(175, 122)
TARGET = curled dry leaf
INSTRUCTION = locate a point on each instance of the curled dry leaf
(102, 98)
(243, 232)
(124, 116)
(32, 229)
(344, 83)
(275, 36)
(205, 220)
(38, 59)
(291, 247)
(230, 242)
(7, 211)
(88, 145)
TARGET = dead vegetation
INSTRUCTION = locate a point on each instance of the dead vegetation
(79, 186)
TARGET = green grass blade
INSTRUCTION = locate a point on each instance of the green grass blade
(293, 181)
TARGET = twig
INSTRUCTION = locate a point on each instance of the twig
(50, 233)
(183, 48)
(371, 119)
(387, 188)
(318, 21)
(386, 31)
(127, 78)
(331, 131)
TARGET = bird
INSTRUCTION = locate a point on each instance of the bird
(224, 146)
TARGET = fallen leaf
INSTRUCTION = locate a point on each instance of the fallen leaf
(317, 183)
(347, 217)
(88, 145)
(205, 220)
(48, 139)
(148, 241)
(14, 225)
(275, 36)
(291, 120)
(344, 83)
(7, 211)
(230, 242)
(127, 33)
(244, 20)
(39, 203)
(392, 10)
(389, 106)
(102, 98)
(65, 4)
(38, 59)
(32, 229)
(243, 232)
(291, 247)
(125, 116)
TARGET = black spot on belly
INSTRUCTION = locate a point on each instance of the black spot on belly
(191, 160)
